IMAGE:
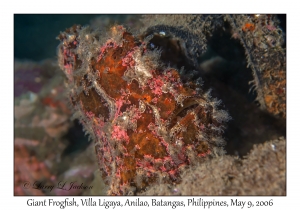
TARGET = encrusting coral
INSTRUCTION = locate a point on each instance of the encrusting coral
(41, 129)
(260, 35)
(262, 172)
(28, 170)
(263, 42)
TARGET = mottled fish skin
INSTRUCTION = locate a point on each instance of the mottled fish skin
(147, 125)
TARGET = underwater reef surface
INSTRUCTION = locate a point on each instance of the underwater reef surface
(162, 99)
(261, 172)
